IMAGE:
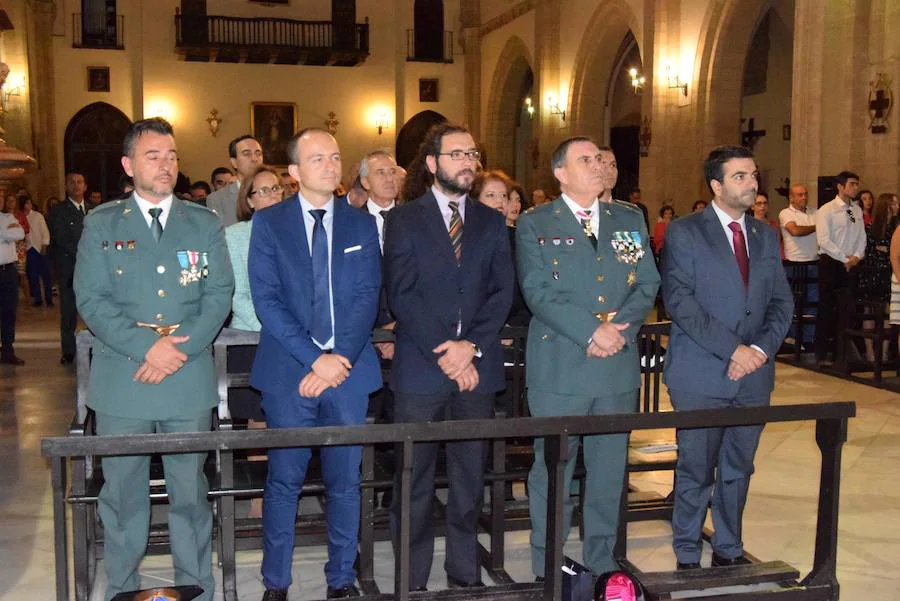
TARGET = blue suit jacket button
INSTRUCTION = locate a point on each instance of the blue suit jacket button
(748, 312)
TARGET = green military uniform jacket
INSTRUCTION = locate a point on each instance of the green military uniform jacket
(570, 288)
(123, 277)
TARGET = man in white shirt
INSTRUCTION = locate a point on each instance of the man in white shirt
(801, 251)
(246, 155)
(37, 265)
(10, 233)
(842, 244)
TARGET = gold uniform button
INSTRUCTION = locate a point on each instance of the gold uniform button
(599, 259)
(160, 317)
(601, 299)
(161, 293)
(555, 261)
(545, 337)
(160, 269)
(600, 278)
(119, 271)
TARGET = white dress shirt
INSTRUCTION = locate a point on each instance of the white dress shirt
(38, 235)
(594, 209)
(309, 222)
(839, 236)
(375, 211)
(144, 207)
(79, 205)
(799, 248)
(444, 205)
(8, 238)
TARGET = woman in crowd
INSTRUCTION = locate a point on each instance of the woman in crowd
(867, 201)
(666, 215)
(491, 188)
(894, 316)
(516, 204)
(760, 210)
(37, 263)
(875, 269)
(699, 206)
(264, 190)
(11, 206)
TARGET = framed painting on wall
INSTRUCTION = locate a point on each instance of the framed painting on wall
(273, 124)
(98, 79)
(428, 90)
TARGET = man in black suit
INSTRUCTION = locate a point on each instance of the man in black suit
(66, 222)
(449, 278)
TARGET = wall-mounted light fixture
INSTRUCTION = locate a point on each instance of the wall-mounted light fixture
(381, 122)
(555, 109)
(14, 87)
(675, 82)
(214, 121)
(637, 80)
(529, 107)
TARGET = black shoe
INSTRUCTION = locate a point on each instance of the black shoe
(724, 562)
(455, 583)
(68, 359)
(343, 592)
(275, 594)
(11, 359)
(688, 565)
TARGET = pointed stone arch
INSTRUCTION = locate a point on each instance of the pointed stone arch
(513, 70)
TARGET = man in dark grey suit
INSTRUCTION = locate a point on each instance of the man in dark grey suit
(246, 155)
(731, 306)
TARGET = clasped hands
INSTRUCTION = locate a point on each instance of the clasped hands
(851, 262)
(162, 360)
(456, 362)
(607, 340)
(744, 361)
(328, 371)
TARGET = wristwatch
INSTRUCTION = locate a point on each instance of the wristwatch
(477, 350)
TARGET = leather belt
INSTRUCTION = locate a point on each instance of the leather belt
(608, 315)
(160, 330)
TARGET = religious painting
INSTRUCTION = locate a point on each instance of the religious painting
(881, 99)
(98, 79)
(273, 124)
(428, 90)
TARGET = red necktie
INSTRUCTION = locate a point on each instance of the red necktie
(740, 250)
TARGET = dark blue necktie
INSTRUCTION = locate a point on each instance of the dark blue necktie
(321, 327)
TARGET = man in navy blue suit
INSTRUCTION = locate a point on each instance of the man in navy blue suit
(731, 306)
(449, 276)
(315, 276)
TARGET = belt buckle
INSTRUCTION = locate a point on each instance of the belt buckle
(161, 331)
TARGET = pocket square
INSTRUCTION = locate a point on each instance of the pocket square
(353, 249)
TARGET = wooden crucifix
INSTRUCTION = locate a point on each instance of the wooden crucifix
(750, 137)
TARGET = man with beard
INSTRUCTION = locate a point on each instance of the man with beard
(153, 283)
(589, 278)
(731, 306)
(449, 280)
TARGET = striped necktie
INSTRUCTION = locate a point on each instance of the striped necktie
(456, 229)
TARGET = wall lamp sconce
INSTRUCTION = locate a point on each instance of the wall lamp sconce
(529, 107)
(555, 108)
(16, 87)
(381, 122)
(675, 82)
(637, 80)
(214, 121)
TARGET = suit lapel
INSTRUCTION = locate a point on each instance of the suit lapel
(754, 244)
(568, 224)
(135, 226)
(176, 228)
(293, 228)
(473, 227)
(721, 246)
(338, 241)
(434, 223)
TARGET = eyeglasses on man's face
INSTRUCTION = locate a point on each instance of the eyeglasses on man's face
(459, 155)
(266, 190)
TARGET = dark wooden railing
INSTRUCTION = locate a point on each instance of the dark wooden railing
(98, 31)
(217, 32)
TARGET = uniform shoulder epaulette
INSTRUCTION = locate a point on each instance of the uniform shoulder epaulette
(107, 206)
(194, 205)
(539, 209)
(628, 205)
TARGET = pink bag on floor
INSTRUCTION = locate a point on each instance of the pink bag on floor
(618, 586)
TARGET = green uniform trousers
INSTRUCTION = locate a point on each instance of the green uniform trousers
(604, 460)
(124, 506)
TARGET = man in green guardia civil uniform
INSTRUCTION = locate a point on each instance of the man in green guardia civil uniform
(589, 278)
(153, 283)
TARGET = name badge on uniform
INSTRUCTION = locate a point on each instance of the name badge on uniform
(130, 244)
(541, 241)
(570, 241)
(628, 247)
(105, 245)
(555, 241)
(119, 245)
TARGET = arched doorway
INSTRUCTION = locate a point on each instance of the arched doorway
(766, 100)
(623, 116)
(509, 135)
(93, 146)
(412, 133)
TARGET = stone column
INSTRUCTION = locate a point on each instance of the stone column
(546, 81)
(45, 181)
(470, 39)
